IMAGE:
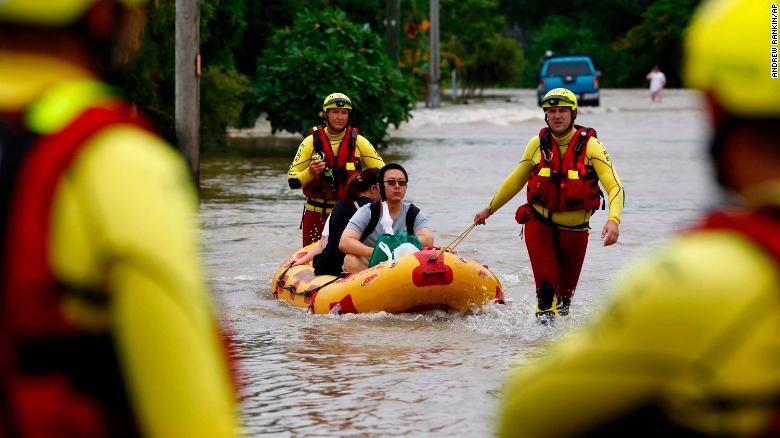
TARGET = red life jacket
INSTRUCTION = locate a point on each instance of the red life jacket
(762, 227)
(333, 187)
(55, 378)
(564, 183)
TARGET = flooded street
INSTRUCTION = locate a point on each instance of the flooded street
(436, 374)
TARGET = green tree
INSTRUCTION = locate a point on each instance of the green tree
(223, 93)
(470, 34)
(496, 61)
(657, 39)
(559, 34)
(625, 38)
(264, 17)
(150, 81)
(610, 19)
(471, 30)
(323, 52)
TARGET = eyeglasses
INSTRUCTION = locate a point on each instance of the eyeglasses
(393, 182)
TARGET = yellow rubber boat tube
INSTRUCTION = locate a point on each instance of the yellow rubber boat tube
(425, 280)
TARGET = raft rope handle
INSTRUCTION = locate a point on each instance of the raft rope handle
(454, 243)
(308, 292)
(280, 280)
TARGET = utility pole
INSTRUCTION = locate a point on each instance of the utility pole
(188, 83)
(433, 84)
(393, 27)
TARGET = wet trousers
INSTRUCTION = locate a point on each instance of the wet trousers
(312, 225)
(556, 256)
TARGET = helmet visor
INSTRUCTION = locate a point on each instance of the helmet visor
(557, 100)
(338, 102)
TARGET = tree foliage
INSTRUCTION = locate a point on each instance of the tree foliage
(299, 64)
(495, 61)
(559, 34)
(222, 97)
(470, 40)
(150, 80)
(657, 39)
(625, 38)
(323, 52)
(264, 17)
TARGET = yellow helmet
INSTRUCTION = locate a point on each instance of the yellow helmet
(57, 13)
(560, 97)
(728, 54)
(336, 100)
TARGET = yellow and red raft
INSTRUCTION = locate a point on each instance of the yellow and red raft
(417, 282)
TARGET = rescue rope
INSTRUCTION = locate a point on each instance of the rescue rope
(451, 246)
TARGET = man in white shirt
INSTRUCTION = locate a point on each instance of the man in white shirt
(657, 83)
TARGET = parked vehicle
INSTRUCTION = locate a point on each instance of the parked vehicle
(575, 72)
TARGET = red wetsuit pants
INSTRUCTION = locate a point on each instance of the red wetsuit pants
(556, 255)
(312, 225)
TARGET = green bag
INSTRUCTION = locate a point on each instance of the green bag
(387, 244)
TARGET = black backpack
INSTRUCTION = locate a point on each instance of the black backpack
(376, 211)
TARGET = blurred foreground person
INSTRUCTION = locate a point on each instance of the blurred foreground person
(106, 327)
(689, 345)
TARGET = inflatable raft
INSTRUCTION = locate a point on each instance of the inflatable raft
(417, 282)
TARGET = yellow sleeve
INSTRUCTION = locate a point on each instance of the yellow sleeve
(599, 158)
(125, 221)
(689, 323)
(299, 175)
(369, 157)
(517, 179)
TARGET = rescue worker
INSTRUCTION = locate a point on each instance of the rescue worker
(325, 161)
(562, 167)
(688, 345)
(106, 326)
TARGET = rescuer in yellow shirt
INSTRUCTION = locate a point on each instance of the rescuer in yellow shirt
(326, 160)
(562, 168)
(688, 344)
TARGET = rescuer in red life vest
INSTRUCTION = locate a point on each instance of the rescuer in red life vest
(562, 167)
(325, 161)
(106, 325)
(687, 344)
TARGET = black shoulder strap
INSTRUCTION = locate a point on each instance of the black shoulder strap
(544, 140)
(353, 141)
(411, 215)
(376, 207)
(363, 200)
(317, 139)
(585, 135)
